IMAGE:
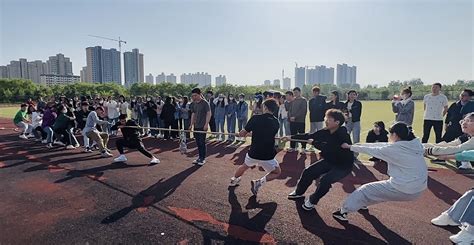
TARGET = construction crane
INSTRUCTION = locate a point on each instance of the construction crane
(120, 41)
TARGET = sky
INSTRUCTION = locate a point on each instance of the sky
(252, 41)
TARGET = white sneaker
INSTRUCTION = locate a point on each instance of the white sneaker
(465, 166)
(444, 220)
(44, 141)
(154, 160)
(22, 136)
(307, 205)
(234, 181)
(59, 143)
(196, 161)
(106, 154)
(463, 237)
(49, 146)
(70, 147)
(29, 136)
(121, 158)
(293, 195)
(255, 186)
(201, 162)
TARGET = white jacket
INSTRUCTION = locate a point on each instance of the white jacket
(406, 165)
(448, 148)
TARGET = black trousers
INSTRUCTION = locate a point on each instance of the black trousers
(134, 144)
(452, 132)
(330, 174)
(297, 128)
(201, 143)
(438, 128)
(174, 125)
(212, 124)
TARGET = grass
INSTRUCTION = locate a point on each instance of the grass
(8, 112)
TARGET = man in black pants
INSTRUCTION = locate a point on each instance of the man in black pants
(210, 101)
(336, 162)
(200, 117)
(297, 116)
(130, 139)
(435, 106)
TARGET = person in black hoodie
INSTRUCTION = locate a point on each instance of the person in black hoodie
(131, 139)
(335, 163)
(317, 109)
(167, 115)
(377, 134)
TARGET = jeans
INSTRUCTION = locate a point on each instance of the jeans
(85, 139)
(212, 124)
(297, 128)
(231, 126)
(220, 127)
(201, 143)
(354, 128)
(108, 126)
(134, 144)
(72, 137)
(160, 123)
(463, 209)
(49, 134)
(438, 128)
(241, 123)
(284, 127)
(25, 127)
(332, 174)
(315, 126)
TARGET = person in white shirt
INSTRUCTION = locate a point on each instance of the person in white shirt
(123, 106)
(112, 113)
(436, 107)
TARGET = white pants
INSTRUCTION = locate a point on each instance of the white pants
(373, 193)
(25, 127)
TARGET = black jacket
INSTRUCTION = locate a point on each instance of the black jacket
(330, 146)
(339, 105)
(167, 113)
(317, 108)
(81, 117)
(356, 110)
(129, 134)
(372, 137)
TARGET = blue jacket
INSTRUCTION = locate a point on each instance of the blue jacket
(231, 109)
(220, 112)
(242, 110)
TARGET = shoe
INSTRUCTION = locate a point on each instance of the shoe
(463, 237)
(154, 160)
(37, 140)
(201, 162)
(234, 181)
(70, 147)
(22, 136)
(444, 220)
(465, 166)
(121, 158)
(290, 149)
(29, 136)
(59, 143)
(160, 136)
(87, 149)
(293, 195)
(77, 145)
(44, 141)
(373, 159)
(364, 208)
(49, 145)
(340, 215)
(437, 161)
(307, 205)
(255, 185)
(106, 154)
(196, 161)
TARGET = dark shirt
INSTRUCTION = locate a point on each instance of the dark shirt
(330, 146)
(129, 134)
(317, 108)
(373, 138)
(356, 110)
(339, 105)
(151, 109)
(81, 117)
(264, 128)
(167, 113)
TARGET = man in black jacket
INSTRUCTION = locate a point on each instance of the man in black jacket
(130, 139)
(336, 162)
(317, 109)
(354, 111)
(456, 114)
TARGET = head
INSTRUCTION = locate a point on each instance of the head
(352, 95)
(196, 95)
(379, 127)
(467, 124)
(334, 119)
(185, 100)
(122, 98)
(282, 99)
(334, 96)
(230, 97)
(270, 106)
(241, 97)
(400, 132)
(148, 98)
(168, 100)
(100, 111)
(436, 88)
(85, 106)
(62, 109)
(23, 107)
(466, 95)
(316, 91)
(209, 94)
(297, 92)
(123, 119)
(406, 93)
(259, 99)
(289, 95)
(277, 95)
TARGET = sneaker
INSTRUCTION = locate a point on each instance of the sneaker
(121, 158)
(463, 237)
(154, 160)
(444, 220)
(37, 140)
(201, 162)
(70, 147)
(340, 215)
(364, 208)
(373, 159)
(22, 136)
(293, 195)
(44, 141)
(234, 181)
(49, 145)
(77, 145)
(437, 161)
(59, 143)
(87, 149)
(255, 185)
(29, 136)
(196, 161)
(290, 149)
(465, 166)
(307, 205)
(106, 154)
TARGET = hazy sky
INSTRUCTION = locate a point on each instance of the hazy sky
(249, 41)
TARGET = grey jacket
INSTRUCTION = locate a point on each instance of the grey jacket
(298, 109)
(404, 112)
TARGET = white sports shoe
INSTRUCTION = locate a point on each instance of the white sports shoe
(22, 136)
(106, 154)
(201, 162)
(70, 147)
(154, 160)
(59, 143)
(44, 141)
(121, 158)
(463, 237)
(307, 205)
(444, 220)
(234, 181)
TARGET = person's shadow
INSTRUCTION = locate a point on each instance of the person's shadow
(97, 172)
(291, 168)
(153, 194)
(443, 192)
(241, 226)
(390, 236)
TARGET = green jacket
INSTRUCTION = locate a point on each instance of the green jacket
(465, 156)
(19, 117)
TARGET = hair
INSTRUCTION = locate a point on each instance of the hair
(268, 94)
(260, 101)
(337, 95)
(407, 91)
(469, 115)
(123, 116)
(468, 91)
(316, 89)
(337, 115)
(197, 91)
(271, 105)
(23, 105)
(185, 100)
(84, 103)
(221, 103)
(168, 100)
(209, 92)
(277, 95)
(438, 84)
(297, 89)
(233, 97)
(289, 93)
(61, 107)
(402, 131)
(99, 108)
(380, 124)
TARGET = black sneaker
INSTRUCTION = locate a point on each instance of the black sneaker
(340, 216)
(438, 161)
(293, 195)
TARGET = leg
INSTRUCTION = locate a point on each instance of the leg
(23, 126)
(301, 130)
(174, 125)
(167, 132)
(141, 148)
(240, 170)
(105, 138)
(334, 175)
(120, 144)
(438, 128)
(426, 131)
(293, 131)
(212, 124)
(94, 135)
(311, 173)
(287, 127)
(201, 143)
(356, 133)
(456, 211)
(49, 134)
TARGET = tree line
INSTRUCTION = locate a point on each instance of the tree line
(18, 90)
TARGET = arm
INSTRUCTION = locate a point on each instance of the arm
(446, 150)
(380, 152)
(465, 156)
(208, 119)
(193, 119)
(395, 106)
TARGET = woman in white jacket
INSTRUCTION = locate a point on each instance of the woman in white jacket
(406, 167)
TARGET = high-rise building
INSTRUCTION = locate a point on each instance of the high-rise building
(150, 79)
(277, 83)
(319, 75)
(14, 69)
(59, 65)
(133, 62)
(35, 70)
(267, 83)
(161, 78)
(24, 68)
(3, 72)
(171, 78)
(300, 77)
(200, 78)
(53, 79)
(103, 65)
(84, 74)
(221, 80)
(287, 83)
(346, 74)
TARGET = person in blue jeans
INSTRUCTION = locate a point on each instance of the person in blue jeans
(242, 114)
(231, 114)
(200, 117)
(219, 115)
